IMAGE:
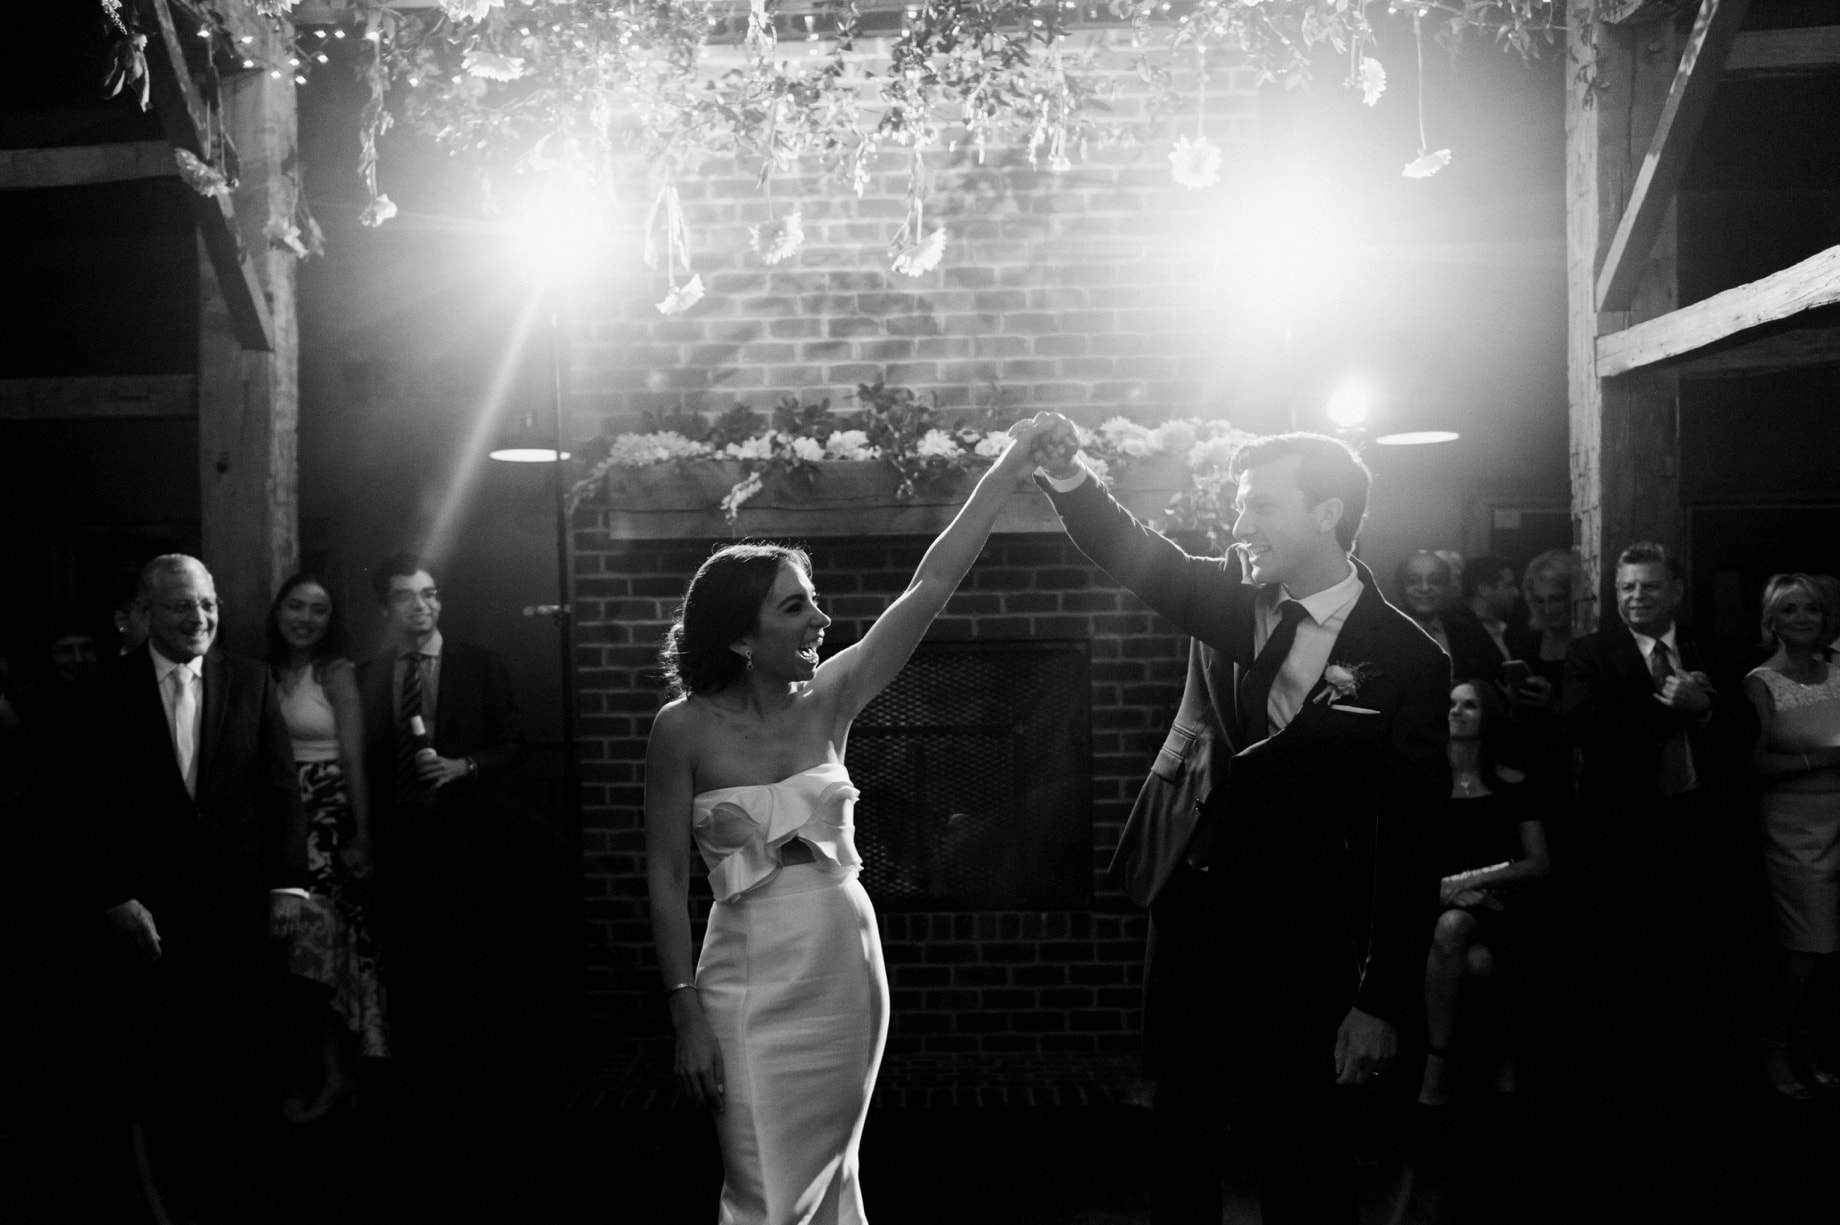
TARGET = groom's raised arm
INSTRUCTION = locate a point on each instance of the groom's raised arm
(1191, 592)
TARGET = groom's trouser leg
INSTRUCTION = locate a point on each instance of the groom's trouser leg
(1182, 1050)
(1188, 1138)
(1302, 1154)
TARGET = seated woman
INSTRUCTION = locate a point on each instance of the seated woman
(1486, 842)
(1796, 762)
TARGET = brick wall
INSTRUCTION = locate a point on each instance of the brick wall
(1100, 289)
(973, 983)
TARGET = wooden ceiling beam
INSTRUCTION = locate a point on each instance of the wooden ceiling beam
(185, 118)
(83, 165)
(1701, 62)
(1797, 349)
(1812, 283)
(1769, 53)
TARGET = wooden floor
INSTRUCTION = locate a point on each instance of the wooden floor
(1713, 1151)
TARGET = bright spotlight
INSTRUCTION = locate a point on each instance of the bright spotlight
(558, 229)
(1417, 438)
(1349, 406)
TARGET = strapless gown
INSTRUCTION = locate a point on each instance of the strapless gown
(792, 981)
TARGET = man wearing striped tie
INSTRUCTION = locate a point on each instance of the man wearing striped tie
(442, 736)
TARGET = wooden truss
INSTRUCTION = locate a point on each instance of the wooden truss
(1629, 337)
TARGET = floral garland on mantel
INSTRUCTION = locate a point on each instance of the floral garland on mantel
(566, 89)
(902, 430)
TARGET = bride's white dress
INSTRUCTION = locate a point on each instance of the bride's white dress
(792, 981)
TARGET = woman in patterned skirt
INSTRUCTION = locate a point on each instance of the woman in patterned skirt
(319, 700)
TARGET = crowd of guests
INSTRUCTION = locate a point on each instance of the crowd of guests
(254, 885)
(251, 893)
(1623, 818)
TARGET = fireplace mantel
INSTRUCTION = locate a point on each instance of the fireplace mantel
(683, 501)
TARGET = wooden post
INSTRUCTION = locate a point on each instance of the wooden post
(1625, 449)
(248, 399)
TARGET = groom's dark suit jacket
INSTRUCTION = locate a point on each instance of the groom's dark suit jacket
(1315, 860)
(202, 866)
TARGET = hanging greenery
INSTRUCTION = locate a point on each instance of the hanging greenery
(574, 90)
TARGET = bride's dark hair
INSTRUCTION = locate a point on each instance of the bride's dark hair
(722, 604)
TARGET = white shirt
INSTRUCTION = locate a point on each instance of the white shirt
(163, 668)
(1316, 634)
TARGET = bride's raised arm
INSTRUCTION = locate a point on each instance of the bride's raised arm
(864, 670)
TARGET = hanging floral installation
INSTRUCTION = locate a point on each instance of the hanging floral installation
(1196, 163)
(576, 90)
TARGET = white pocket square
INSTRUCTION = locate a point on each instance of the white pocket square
(1354, 710)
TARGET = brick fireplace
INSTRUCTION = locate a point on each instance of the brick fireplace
(969, 978)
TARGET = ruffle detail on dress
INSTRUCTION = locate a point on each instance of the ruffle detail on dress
(742, 836)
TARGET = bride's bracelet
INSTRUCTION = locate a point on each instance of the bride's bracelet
(674, 988)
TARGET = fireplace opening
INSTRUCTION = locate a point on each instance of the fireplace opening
(974, 768)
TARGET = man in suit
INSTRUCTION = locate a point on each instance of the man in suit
(1276, 841)
(198, 855)
(1429, 594)
(1491, 593)
(452, 856)
(1641, 710)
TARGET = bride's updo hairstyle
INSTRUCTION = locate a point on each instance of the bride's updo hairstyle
(722, 604)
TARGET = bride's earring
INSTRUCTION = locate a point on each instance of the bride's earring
(749, 656)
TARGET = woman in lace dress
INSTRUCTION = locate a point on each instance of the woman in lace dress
(335, 946)
(1797, 764)
(780, 1027)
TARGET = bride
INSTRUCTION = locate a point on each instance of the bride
(780, 1028)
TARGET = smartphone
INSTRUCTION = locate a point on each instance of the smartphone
(1515, 673)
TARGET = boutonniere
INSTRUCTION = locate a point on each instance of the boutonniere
(1343, 681)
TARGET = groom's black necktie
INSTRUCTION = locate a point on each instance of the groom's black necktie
(1255, 687)
(1254, 722)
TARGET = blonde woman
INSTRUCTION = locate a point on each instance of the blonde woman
(1796, 762)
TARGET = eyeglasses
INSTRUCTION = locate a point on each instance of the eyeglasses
(185, 608)
(409, 597)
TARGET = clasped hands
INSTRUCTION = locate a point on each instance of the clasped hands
(1688, 692)
(1052, 441)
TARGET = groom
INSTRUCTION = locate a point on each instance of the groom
(1276, 841)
